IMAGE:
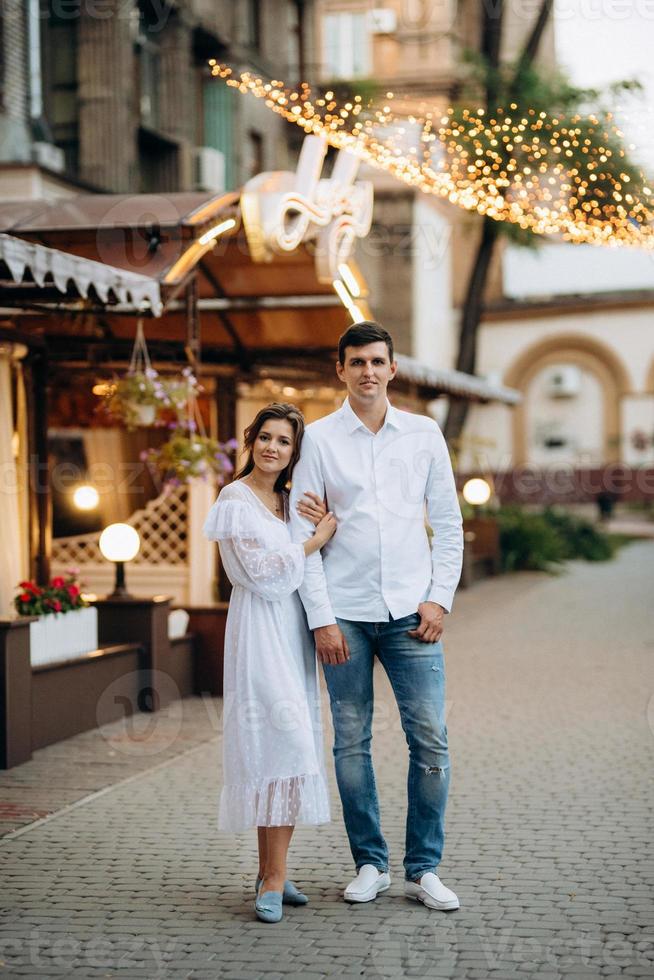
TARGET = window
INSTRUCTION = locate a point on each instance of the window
(345, 45)
(252, 24)
(254, 161)
(149, 56)
(218, 111)
(59, 48)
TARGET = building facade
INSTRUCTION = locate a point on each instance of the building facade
(573, 332)
(117, 97)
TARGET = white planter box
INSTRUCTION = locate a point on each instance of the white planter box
(60, 636)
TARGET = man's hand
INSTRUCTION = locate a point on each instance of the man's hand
(331, 645)
(431, 623)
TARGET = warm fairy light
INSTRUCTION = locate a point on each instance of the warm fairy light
(509, 166)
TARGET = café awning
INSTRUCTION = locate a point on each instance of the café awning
(32, 272)
(245, 307)
(456, 383)
(154, 248)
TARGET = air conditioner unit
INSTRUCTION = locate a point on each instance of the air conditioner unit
(209, 166)
(382, 21)
(47, 155)
(564, 382)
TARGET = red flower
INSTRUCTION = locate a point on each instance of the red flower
(58, 582)
(25, 597)
(72, 591)
(28, 585)
(56, 605)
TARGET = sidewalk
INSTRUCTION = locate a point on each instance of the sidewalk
(551, 725)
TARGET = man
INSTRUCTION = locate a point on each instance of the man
(379, 589)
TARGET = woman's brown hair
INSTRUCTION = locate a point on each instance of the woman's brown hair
(277, 410)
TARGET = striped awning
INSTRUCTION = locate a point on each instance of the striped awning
(455, 383)
(25, 262)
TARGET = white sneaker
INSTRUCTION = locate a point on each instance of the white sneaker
(367, 885)
(431, 892)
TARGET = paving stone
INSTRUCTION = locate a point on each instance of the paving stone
(545, 676)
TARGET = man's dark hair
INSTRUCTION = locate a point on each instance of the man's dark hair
(360, 334)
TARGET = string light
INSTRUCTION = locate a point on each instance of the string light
(521, 166)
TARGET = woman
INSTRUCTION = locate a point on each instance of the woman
(274, 773)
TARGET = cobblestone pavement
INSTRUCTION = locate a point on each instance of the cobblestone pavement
(551, 725)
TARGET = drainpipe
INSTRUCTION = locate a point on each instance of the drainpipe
(301, 50)
(40, 128)
(34, 59)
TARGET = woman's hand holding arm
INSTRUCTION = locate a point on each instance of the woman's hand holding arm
(325, 529)
(313, 507)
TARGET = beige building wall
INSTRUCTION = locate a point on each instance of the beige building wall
(614, 356)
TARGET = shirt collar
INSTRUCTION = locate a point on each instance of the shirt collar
(353, 422)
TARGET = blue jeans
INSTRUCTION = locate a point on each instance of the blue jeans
(416, 673)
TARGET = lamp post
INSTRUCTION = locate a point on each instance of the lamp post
(86, 497)
(477, 491)
(119, 543)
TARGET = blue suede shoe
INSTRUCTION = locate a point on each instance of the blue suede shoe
(268, 907)
(292, 894)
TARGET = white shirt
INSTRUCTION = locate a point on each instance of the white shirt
(377, 485)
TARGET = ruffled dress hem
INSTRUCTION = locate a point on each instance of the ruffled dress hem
(279, 802)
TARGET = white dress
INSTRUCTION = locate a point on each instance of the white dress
(274, 772)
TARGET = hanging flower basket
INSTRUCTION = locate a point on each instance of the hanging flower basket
(187, 455)
(145, 414)
(137, 398)
(181, 390)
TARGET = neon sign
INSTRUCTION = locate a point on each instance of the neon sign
(281, 209)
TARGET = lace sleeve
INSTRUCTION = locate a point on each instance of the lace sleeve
(229, 518)
(271, 573)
